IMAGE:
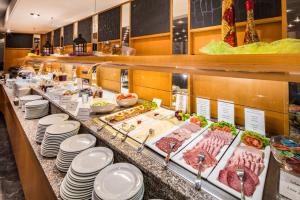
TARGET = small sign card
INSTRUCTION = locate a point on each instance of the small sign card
(226, 111)
(181, 102)
(72, 106)
(203, 107)
(289, 185)
(255, 120)
(79, 83)
(157, 101)
(65, 100)
(83, 113)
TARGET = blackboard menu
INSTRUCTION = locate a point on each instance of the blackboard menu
(48, 37)
(205, 13)
(150, 17)
(19, 40)
(56, 38)
(109, 24)
(85, 28)
(68, 34)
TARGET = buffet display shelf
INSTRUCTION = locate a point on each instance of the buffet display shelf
(265, 67)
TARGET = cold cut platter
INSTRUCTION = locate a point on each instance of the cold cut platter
(250, 152)
(212, 143)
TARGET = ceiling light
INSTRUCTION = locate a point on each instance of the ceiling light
(8, 31)
(179, 38)
(180, 22)
(185, 36)
(175, 39)
(289, 10)
(291, 25)
(183, 30)
(177, 33)
(35, 15)
(174, 26)
(297, 20)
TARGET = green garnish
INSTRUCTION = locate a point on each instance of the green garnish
(264, 139)
(222, 124)
(150, 105)
(100, 103)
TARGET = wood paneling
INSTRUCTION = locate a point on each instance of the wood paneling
(109, 78)
(25, 157)
(150, 84)
(156, 45)
(12, 57)
(269, 30)
(68, 49)
(260, 94)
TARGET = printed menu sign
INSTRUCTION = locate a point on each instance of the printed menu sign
(157, 101)
(72, 106)
(289, 185)
(226, 111)
(79, 83)
(255, 120)
(65, 100)
(83, 113)
(203, 107)
(181, 102)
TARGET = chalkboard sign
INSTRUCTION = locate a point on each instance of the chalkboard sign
(85, 28)
(19, 40)
(150, 17)
(56, 38)
(205, 13)
(109, 23)
(68, 35)
(48, 37)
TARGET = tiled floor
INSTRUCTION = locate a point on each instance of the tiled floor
(10, 186)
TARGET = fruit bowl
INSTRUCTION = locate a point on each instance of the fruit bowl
(286, 151)
(126, 100)
(99, 105)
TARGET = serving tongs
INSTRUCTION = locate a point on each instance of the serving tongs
(198, 182)
(131, 128)
(140, 149)
(241, 174)
(99, 125)
(167, 159)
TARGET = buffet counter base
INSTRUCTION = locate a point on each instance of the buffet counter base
(41, 179)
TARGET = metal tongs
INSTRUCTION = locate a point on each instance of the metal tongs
(99, 125)
(132, 127)
(241, 174)
(198, 182)
(140, 149)
(167, 159)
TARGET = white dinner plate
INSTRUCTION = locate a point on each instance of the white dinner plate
(78, 143)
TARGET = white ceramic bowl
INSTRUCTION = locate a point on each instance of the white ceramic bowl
(102, 109)
(127, 102)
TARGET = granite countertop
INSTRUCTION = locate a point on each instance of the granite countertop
(173, 185)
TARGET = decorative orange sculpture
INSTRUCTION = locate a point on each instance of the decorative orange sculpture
(251, 35)
(228, 23)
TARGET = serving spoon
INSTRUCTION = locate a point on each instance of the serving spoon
(140, 149)
(167, 159)
(198, 182)
(241, 174)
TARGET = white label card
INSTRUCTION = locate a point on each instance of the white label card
(289, 185)
(203, 107)
(181, 102)
(65, 100)
(72, 106)
(255, 120)
(83, 113)
(157, 101)
(226, 111)
(79, 83)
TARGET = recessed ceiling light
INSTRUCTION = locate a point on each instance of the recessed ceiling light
(289, 10)
(183, 30)
(297, 20)
(291, 25)
(177, 33)
(34, 15)
(180, 22)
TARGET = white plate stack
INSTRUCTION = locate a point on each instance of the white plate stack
(47, 121)
(55, 135)
(28, 98)
(71, 147)
(78, 183)
(121, 181)
(36, 109)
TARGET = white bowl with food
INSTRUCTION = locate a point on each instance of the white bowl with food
(127, 100)
(100, 105)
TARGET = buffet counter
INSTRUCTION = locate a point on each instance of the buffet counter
(160, 183)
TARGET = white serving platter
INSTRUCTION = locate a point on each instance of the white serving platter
(213, 177)
(178, 158)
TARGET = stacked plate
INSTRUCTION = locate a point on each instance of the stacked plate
(121, 181)
(47, 121)
(36, 109)
(28, 98)
(55, 135)
(78, 183)
(71, 147)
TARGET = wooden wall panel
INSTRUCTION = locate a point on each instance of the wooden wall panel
(109, 78)
(268, 31)
(261, 94)
(150, 84)
(12, 56)
(152, 45)
(68, 49)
